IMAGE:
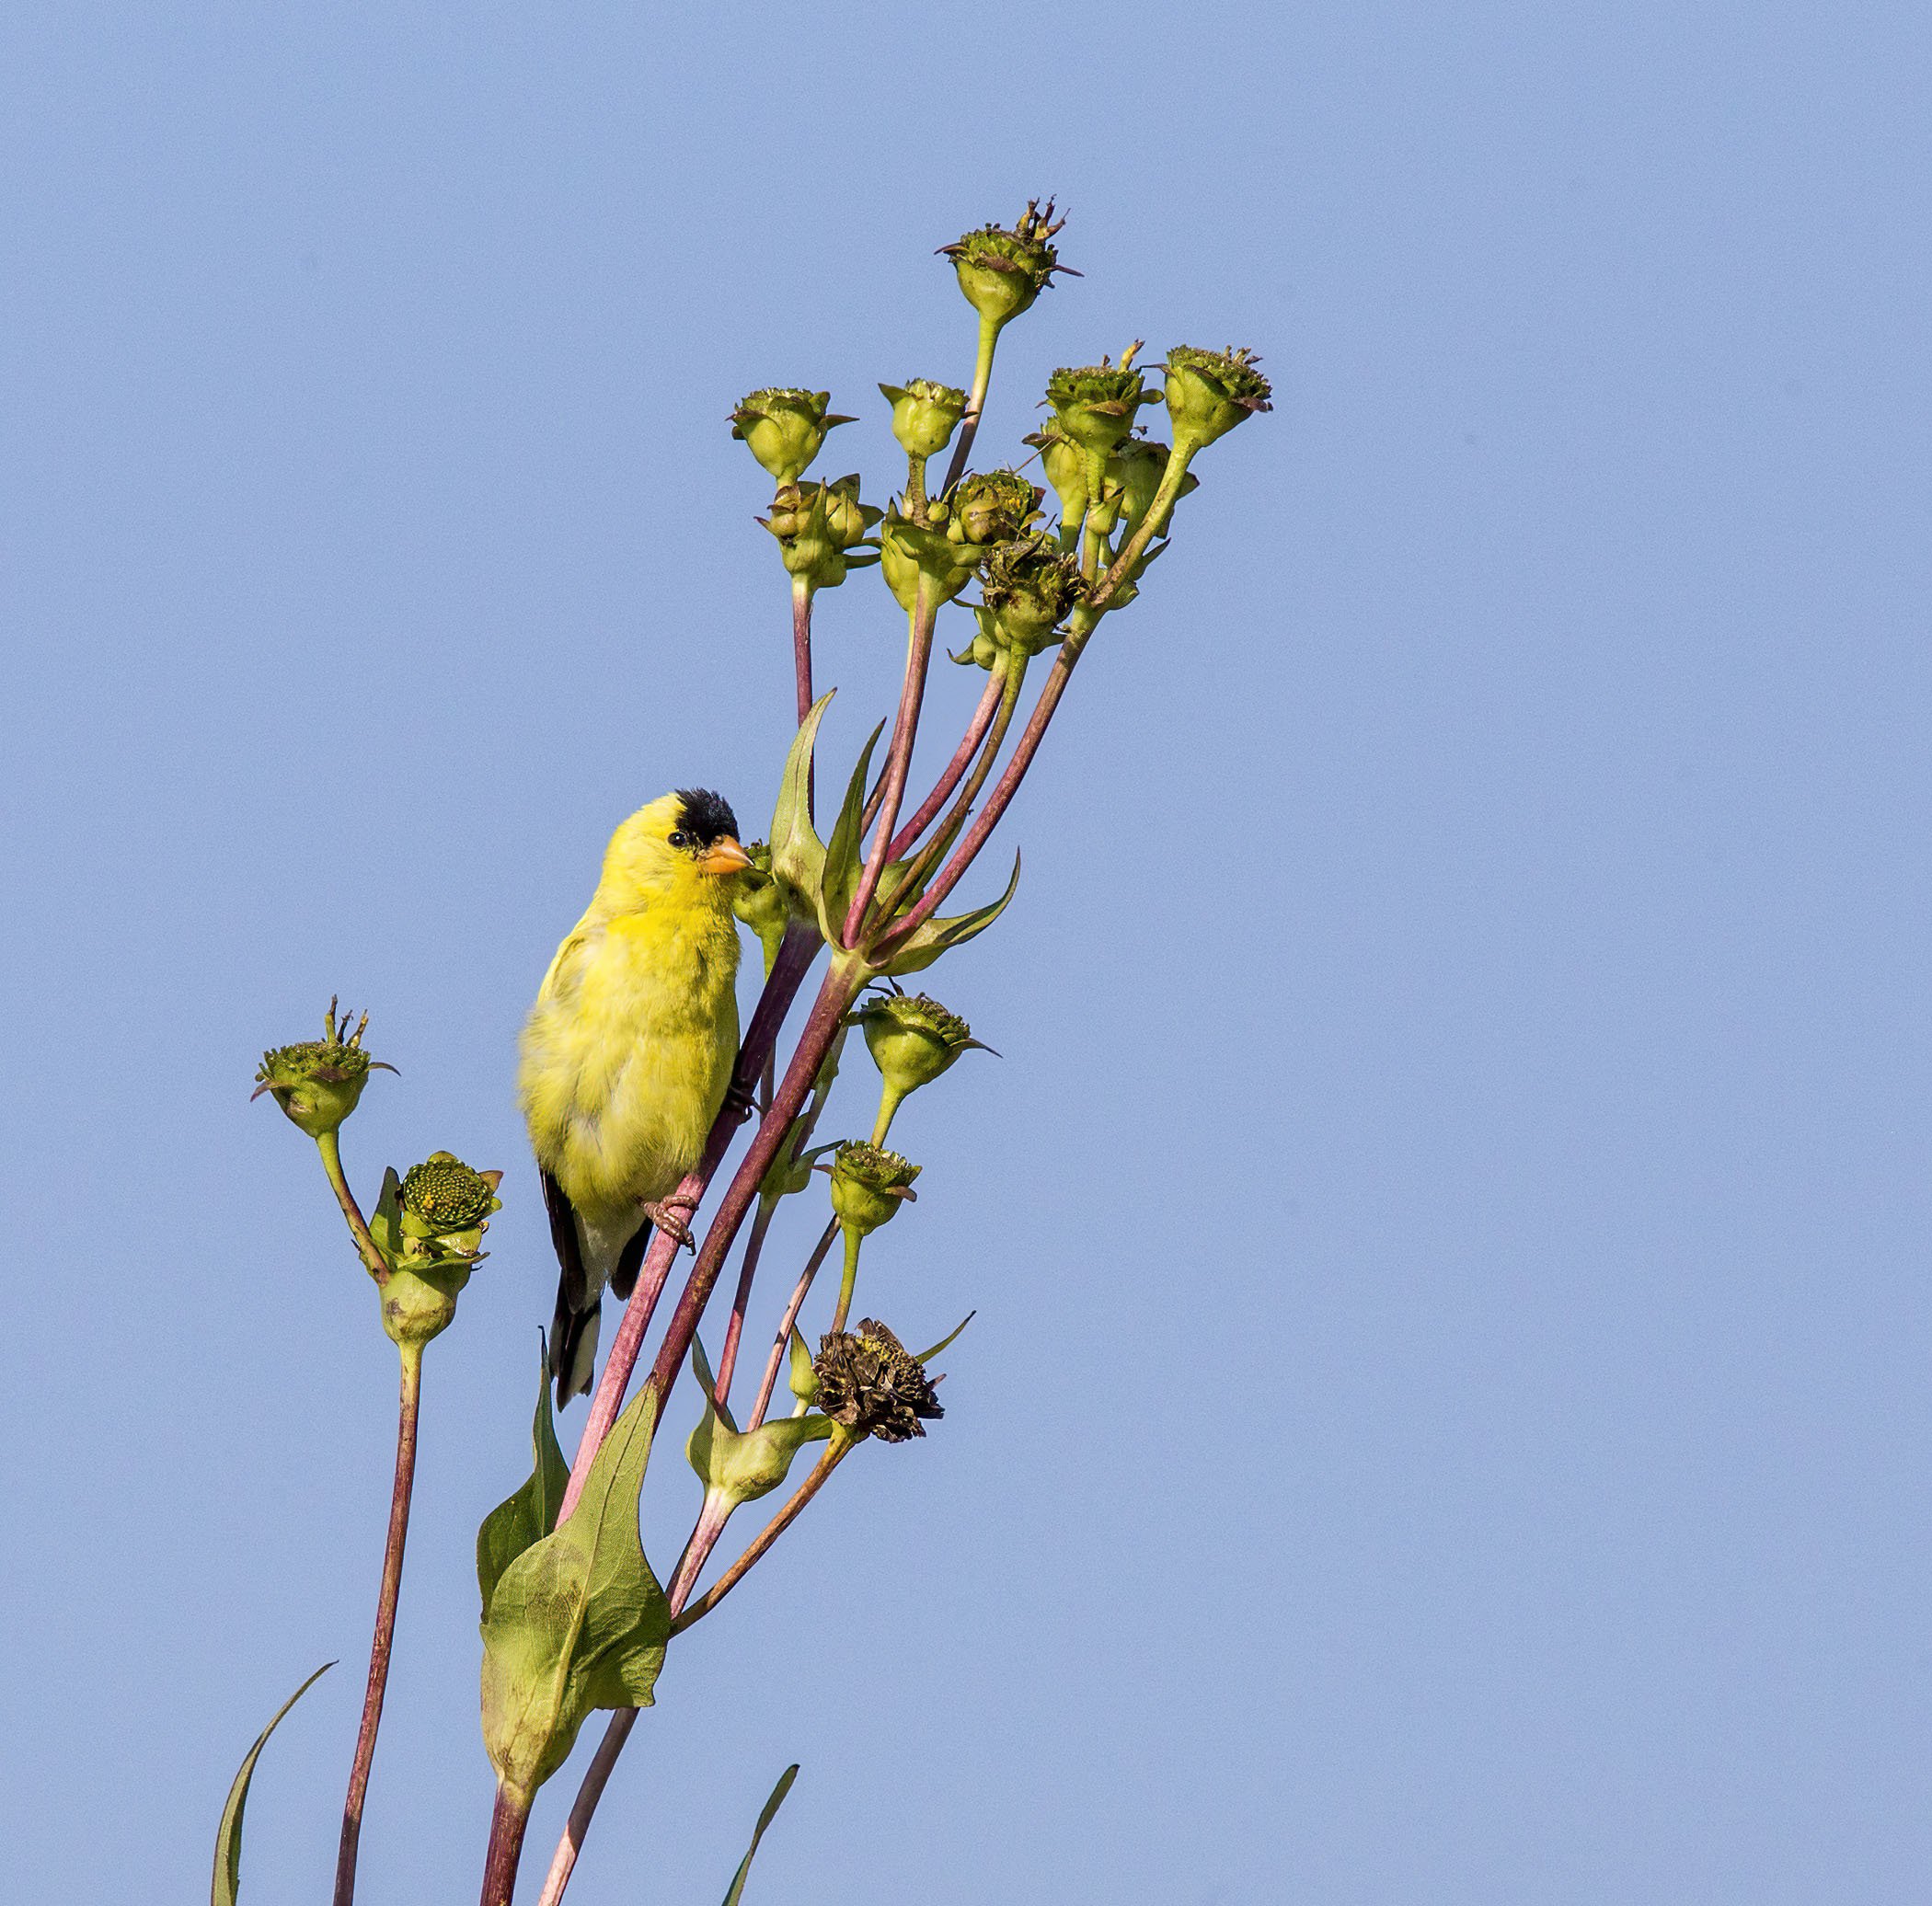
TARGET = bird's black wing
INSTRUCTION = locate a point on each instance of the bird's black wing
(576, 1308)
(630, 1260)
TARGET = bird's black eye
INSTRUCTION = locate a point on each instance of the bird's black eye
(680, 838)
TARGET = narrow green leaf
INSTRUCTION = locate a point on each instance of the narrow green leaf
(936, 936)
(578, 1620)
(797, 854)
(927, 1356)
(530, 1514)
(227, 1837)
(843, 858)
(764, 1819)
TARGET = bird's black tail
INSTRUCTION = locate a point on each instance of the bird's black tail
(573, 1326)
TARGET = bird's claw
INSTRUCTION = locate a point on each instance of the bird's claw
(669, 1214)
(738, 1101)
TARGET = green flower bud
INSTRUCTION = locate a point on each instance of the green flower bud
(871, 1384)
(849, 521)
(800, 1378)
(443, 1198)
(982, 652)
(868, 1184)
(1138, 467)
(1029, 586)
(761, 902)
(909, 554)
(818, 525)
(1208, 391)
(319, 1081)
(992, 508)
(739, 1465)
(925, 415)
(1094, 406)
(1003, 272)
(784, 429)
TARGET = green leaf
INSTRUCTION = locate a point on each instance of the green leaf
(764, 1819)
(797, 854)
(227, 1837)
(936, 936)
(578, 1620)
(927, 1356)
(843, 860)
(525, 1518)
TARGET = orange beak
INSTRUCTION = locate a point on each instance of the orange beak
(723, 856)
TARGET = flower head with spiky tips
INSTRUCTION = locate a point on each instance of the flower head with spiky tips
(1002, 269)
(873, 1386)
(443, 1198)
(868, 1184)
(319, 1081)
(1208, 391)
(784, 429)
(1028, 586)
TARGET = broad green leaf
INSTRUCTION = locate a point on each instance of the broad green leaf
(797, 854)
(843, 858)
(936, 936)
(530, 1514)
(227, 1837)
(764, 1819)
(578, 1620)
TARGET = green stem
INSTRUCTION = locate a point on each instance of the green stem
(915, 487)
(385, 1636)
(329, 1146)
(890, 1098)
(855, 1237)
(1156, 520)
(975, 402)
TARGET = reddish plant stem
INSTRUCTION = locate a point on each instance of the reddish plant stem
(783, 1339)
(905, 729)
(508, 1822)
(734, 1330)
(997, 802)
(801, 669)
(379, 1648)
(836, 1453)
(955, 769)
(795, 957)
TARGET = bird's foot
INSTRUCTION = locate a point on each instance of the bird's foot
(669, 1215)
(738, 1101)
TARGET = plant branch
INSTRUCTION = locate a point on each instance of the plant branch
(956, 767)
(406, 1414)
(905, 729)
(975, 403)
(753, 1245)
(330, 1146)
(802, 670)
(786, 1324)
(508, 1822)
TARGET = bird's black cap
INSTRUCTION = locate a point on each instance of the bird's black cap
(704, 816)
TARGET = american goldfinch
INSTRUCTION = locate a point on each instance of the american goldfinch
(627, 1054)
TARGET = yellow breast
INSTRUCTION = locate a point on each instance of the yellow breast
(627, 1054)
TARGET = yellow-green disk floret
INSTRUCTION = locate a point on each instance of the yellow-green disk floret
(442, 1197)
(868, 1184)
(925, 414)
(318, 1081)
(1001, 270)
(1027, 588)
(993, 507)
(871, 1384)
(1094, 406)
(1208, 391)
(784, 429)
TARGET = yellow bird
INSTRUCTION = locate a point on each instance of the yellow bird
(628, 1055)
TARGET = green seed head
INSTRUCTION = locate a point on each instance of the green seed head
(443, 1198)
(1028, 587)
(925, 414)
(1208, 391)
(868, 1184)
(784, 429)
(912, 1038)
(993, 508)
(1094, 406)
(1002, 270)
(871, 1383)
(319, 1081)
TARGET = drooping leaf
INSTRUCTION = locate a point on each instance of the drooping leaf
(227, 1837)
(843, 858)
(529, 1515)
(578, 1620)
(764, 1819)
(940, 936)
(797, 854)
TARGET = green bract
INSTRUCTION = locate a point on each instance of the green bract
(1138, 467)
(925, 414)
(1208, 391)
(784, 429)
(319, 1081)
(868, 1184)
(760, 901)
(1094, 406)
(910, 555)
(1065, 465)
(1002, 271)
(819, 527)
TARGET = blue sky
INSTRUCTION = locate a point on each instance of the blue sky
(1445, 1420)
